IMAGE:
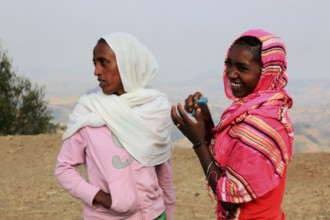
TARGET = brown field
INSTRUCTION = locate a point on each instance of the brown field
(30, 191)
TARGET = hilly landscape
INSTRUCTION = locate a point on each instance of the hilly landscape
(29, 189)
(310, 113)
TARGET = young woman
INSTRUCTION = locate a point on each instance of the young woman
(245, 156)
(122, 134)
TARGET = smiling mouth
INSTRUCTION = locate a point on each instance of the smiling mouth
(236, 85)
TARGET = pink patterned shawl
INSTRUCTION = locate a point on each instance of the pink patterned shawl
(251, 124)
(272, 82)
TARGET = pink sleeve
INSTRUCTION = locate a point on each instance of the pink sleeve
(165, 179)
(71, 155)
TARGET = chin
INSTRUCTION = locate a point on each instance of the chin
(106, 92)
(238, 95)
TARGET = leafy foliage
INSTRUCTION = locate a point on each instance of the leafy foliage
(22, 106)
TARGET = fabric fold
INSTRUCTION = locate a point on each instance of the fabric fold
(140, 118)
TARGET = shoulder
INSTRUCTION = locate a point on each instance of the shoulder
(262, 127)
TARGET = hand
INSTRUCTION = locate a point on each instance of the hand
(103, 199)
(189, 102)
(190, 105)
(193, 130)
(206, 115)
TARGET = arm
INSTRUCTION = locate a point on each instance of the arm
(194, 131)
(198, 131)
(165, 180)
(71, 155)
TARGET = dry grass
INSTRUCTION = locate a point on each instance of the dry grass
(30, 191)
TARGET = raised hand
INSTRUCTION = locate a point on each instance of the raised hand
(191, 105)
(194, 130)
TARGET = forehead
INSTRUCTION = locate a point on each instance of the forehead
(102, 49)
(240, 53)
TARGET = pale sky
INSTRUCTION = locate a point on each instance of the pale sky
(51, 42)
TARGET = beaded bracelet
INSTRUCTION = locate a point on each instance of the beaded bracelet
(199, 143)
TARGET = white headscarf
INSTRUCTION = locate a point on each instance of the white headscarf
(140, 118)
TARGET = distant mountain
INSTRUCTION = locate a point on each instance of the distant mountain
(312, 127)
(61, 107)
(310, 113)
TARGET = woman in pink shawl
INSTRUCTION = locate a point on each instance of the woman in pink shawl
(245, 156)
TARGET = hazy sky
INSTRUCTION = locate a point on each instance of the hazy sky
(51, 42)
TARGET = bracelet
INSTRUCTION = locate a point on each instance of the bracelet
(199, 143)
(208, 168)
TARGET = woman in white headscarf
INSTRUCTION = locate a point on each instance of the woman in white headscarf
(123, 136)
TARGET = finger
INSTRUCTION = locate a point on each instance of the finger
(189, 103)
(175, 118)
(196, 105)
(183, 115)
(197, 95)
(204, 109)
(199, 116)
(174, 115)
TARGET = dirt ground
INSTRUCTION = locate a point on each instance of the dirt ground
(28, 189)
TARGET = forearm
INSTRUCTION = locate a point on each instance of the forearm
(74, 184)
(71, 155)
(208, 128)
(212, 172)
(209, 124)
(165, 179)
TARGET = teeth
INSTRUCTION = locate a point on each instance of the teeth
(235, 84)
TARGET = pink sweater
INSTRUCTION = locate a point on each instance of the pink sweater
(138, 192)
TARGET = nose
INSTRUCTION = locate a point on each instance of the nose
(97, 70)
(231, 73)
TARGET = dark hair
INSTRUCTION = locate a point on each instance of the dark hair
(101, 40)
(254, 44)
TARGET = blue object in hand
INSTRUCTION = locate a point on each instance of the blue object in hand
(200, 101)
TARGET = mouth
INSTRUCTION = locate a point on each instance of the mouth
(236, 85)
(238, 89)
(101, 82)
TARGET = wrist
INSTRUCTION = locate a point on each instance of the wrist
(103, 199)
(97, 197)
(199, 143)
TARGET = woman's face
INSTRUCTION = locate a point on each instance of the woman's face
(243, 70)
(106, 70)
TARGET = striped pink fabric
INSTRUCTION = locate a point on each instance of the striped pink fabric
(254, 139)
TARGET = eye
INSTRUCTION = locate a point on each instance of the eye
(104, 62)
(242, 68)
(228, 63)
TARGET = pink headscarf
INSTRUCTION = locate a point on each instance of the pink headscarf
(269, 91)
(273, 59)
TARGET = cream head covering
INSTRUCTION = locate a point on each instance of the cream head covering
(137, 65)
(140, 118)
